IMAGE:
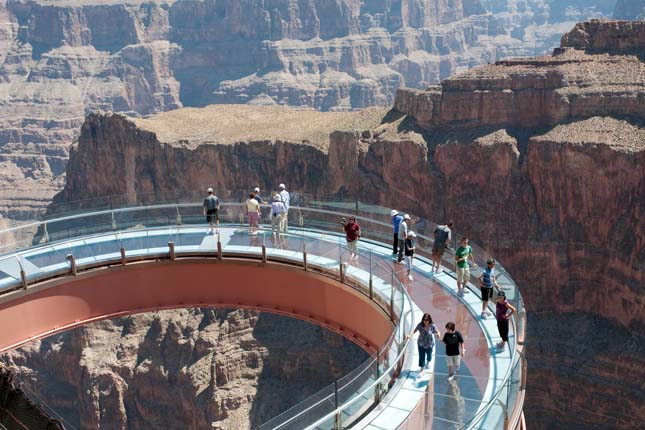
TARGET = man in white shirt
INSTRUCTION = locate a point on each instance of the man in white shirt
(285, 197)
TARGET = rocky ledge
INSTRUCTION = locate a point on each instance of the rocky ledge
(591, 74)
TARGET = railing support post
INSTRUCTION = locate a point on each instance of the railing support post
(72, 263)
(113, 221)
(338, 421)
(171, 249)
(219, 249)
(123, 259)
(343, 268)
(45, 234)
(264, 254)
(178, 216)
(371, 288)
(392, 302)
(304, 260)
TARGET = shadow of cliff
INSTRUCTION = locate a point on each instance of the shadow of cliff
(301, 358)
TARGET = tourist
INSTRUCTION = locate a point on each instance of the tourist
(462, 255)
(425, 341)
(409, 252)
(210, 209)
(396, 222)
(352, 234)
(442, 238)
(253, 213)
(487, 280)
(256, 195)
(403, 234)
(277, 211)
(503, 312)
(454, 349)
(285, 197)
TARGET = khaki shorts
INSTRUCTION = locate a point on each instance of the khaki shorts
(352, 245)
(437, 252)
(463, 275)
(453, 360)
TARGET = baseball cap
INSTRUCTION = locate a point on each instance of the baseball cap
(209, 190)
(282, 186)
(257, 189)
(406, 216)
(412, 234)
(394, 212)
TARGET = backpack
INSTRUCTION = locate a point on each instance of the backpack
(440, 236)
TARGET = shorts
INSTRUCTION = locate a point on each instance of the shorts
(453, 360)
(253, 218)
(437, 251)
(487, 293)
(212, 215)
(502, 327)
(463, 275)
(352, 245)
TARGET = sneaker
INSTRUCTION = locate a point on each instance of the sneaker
(500, 346)
(451, 376)
(489, 314)
(483, 315)
(410, 278)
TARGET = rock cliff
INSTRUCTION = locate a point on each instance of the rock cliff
(182, 369)
(556, 193)
(61, 59)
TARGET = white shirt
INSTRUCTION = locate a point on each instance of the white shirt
(284, 195)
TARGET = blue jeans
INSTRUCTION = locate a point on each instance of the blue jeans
(425, 355)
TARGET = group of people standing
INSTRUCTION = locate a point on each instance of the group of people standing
(279, 210)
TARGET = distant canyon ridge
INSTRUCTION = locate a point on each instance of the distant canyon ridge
(62, 59)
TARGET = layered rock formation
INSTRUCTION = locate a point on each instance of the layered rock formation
(542, 161)
(182, 369)
(60, 59)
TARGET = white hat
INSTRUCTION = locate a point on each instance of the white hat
(257, 189)
(412, 234)
(209, 190)
(277, 198)
(282, 186)
(394, 212)
(406, 216)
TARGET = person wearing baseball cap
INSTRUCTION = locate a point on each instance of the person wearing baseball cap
(286, 198)
(210, 209)
(403, 234)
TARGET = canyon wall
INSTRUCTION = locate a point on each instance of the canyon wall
(60, 60)
(182, 369)
(542, 161)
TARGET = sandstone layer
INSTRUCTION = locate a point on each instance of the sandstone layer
(61, 59)
(182, 369)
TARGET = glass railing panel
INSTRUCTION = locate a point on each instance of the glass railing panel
(105, 247)
(70, 228)
(9, 272)
(304, 413)
(45, 260)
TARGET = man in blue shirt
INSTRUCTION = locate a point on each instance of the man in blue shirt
(396, 222)
(487, 280)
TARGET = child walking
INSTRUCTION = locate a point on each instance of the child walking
(454, 349)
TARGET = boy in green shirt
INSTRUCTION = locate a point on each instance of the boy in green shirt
(462, 255)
